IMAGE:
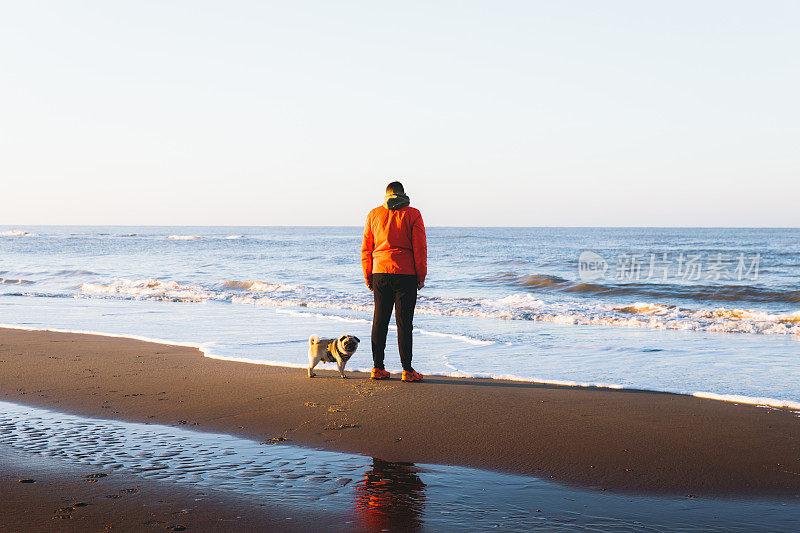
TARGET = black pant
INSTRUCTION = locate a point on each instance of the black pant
(398, 291)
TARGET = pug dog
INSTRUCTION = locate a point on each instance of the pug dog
(337, 351)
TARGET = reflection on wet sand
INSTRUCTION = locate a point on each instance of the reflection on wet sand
(391, 496)
(382, 495)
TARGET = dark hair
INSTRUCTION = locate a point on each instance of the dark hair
(395, 187)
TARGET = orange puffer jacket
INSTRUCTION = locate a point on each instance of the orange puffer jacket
(394, 243)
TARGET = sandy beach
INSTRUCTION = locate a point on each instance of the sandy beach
(633, 441)
(572, 228)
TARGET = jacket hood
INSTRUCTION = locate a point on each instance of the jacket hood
(396, 201)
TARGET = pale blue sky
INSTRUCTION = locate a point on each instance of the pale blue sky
(525, 113)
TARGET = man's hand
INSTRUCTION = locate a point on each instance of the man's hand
(420, 284)
(369, 284)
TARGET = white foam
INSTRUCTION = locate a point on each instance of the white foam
(513, 307)
(230, 237)
(258, 286)
(267, 362)
(167, 290)
(645, 308)
(200, 346)
(462, 338)
(338, 318)
(519, 301)
(151, 289)
(770, 402)
(184, 237)
(561, 382)
(16, 233)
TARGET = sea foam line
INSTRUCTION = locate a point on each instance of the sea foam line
(205, 349)
(202, 347)
(769, 402)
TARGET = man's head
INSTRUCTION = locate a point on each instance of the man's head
(395, 187)
(395, 196)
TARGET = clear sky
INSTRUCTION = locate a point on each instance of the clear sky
(524, 113)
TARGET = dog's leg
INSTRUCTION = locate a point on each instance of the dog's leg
(312, 362)
(341, 369)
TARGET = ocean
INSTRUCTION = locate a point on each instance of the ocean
(705, 311)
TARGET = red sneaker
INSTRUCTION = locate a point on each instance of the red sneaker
(377, 373)
(411, 375)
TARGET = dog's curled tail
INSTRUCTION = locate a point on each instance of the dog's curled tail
(313, 339)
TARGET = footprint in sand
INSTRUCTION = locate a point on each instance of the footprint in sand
(275, 440)
(65, 512)
(343, 426)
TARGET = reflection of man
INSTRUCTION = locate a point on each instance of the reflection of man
(390, 497)
(394, 256)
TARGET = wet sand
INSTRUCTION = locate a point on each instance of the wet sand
(633, 441)
(41, 494)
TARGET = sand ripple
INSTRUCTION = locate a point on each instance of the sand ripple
(162, 452)
(382, 495)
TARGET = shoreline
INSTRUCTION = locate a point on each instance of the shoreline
(619, 439)
(202, 348)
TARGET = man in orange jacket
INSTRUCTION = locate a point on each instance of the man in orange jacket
(394, 255)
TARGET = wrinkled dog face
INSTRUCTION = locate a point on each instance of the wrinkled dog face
(348, 343)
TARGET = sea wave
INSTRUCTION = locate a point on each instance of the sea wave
(150, 289)
(76, 272)
(258, 286)
(184, 237)
(16, 233)
(698, 292)
(651, 315)
(512, 307)
(15, 281)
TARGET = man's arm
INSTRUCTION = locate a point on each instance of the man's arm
(420, 245)
(367, 245)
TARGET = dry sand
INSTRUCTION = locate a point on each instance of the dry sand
(622, 440)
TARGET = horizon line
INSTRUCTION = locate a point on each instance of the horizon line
(359, 226)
